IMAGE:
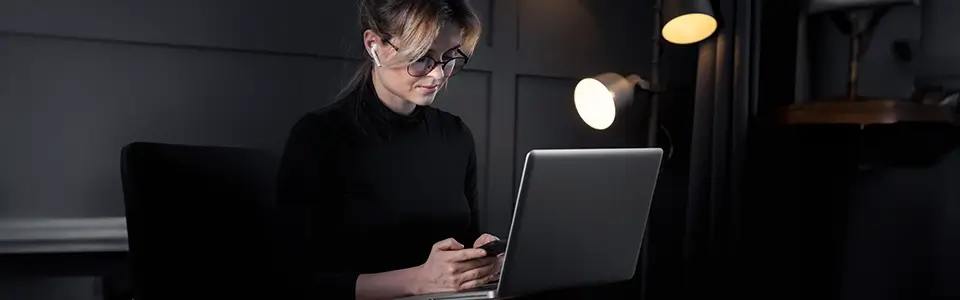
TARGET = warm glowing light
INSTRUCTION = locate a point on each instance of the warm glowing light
(689, 28)
(595, 103)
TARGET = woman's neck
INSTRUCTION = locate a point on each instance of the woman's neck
(390, 100)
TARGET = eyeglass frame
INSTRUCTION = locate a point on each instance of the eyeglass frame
(442, 64)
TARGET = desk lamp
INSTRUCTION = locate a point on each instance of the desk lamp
(598, 99)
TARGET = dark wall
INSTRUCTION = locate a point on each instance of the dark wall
(79, 79)
(880, 233)
(881, 75)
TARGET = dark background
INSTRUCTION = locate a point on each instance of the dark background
(825, 227)
(79, 79)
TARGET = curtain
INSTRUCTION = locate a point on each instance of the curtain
(725, 104)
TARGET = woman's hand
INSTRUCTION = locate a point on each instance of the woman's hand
(451, 268)
(483, 240)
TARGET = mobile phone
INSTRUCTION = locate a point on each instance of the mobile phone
(494, 248)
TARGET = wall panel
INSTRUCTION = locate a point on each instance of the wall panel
(79, 79)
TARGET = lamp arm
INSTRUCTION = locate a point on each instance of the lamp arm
(644, 84)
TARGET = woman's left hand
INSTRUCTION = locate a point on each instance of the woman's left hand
(483, 240)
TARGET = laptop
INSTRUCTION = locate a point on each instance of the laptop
(578, 221)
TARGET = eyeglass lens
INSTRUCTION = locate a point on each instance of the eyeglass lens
(423, 66)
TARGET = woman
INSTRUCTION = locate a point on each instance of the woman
(384, 185)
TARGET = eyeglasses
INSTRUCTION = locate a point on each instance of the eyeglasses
(423, 66)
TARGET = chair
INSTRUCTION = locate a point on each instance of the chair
(198, 220)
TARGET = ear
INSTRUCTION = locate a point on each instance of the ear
(370, 38)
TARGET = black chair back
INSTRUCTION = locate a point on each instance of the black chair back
(198, 220)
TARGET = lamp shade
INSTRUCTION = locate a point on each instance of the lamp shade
(687, 21)
(598, 99)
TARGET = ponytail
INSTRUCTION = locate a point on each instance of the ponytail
(358, 81)
(355, 89)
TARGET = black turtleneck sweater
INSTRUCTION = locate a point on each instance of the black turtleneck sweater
(367, 190)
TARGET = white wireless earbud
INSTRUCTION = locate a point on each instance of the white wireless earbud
(373, 54)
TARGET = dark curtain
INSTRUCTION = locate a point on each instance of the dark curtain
(725, 104)
(884, 197)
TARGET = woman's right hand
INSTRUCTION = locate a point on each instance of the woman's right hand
(451, 268)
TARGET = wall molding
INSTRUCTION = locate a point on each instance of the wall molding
(63, 235)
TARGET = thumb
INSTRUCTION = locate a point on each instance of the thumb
(447, 244)
(484, 239)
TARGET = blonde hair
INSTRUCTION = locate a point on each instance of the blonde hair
(412, 26)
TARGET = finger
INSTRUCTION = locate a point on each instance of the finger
(472, 274)
(476, 282)
(465, 266)
(466, 254)
(447, 244)
(480, 272)
(491, 269)
(484, 239)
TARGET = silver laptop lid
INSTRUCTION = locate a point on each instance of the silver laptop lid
(579, 218)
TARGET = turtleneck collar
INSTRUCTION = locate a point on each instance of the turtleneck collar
(373, 104)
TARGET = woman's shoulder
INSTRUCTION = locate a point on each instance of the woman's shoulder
(339, 108)
(323, 119)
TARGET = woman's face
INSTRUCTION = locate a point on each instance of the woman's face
(421, 90)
